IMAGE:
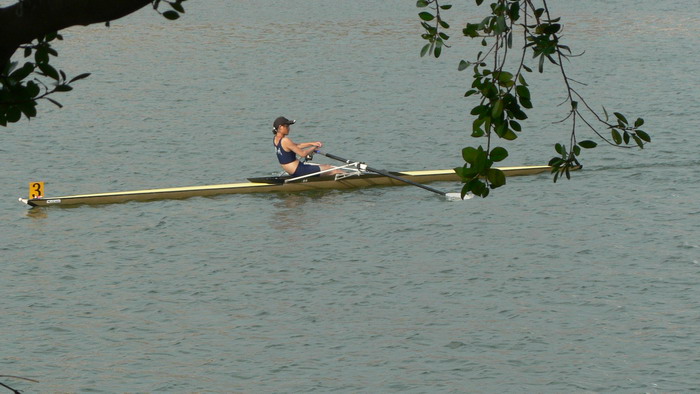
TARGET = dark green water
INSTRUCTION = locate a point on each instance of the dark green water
(589, 285)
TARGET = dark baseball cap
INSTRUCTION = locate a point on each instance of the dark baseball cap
(282, 121)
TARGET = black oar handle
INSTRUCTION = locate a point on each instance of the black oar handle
(387, 174)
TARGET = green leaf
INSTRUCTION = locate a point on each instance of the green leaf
(178, 7)
(14, 114)
(503, 76)
(639, 122)
(29, 109)
(425, 50)
(462, 65)
(476, 127)
(497, 110)
(551, 29)
(510, 39)
(501, 129)
(561, 149)
(616, 136)
(471, 31)
(498, 154)
(588, 144)
(522, 91)
(48, 70)
(465, 190)
(469, 154)
(481, 162)
(23, 72)
(477, 133)
(56, 103)
(521, 79)
(510, 135)
(501, 25)
(514, 11)
(555, 162)
(638, 141)
(518, 114)
(466, 173)
(620, 117)
(477, 187)
(446, 6)
(426, 16)
(479, 109)
(79, 77)
(172, 15)
(33, 89)
(515, 125)
(643, 135)
(63, 88)
(496, 177)
(421, 3)
(41, 55)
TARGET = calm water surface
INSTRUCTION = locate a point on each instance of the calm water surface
(589, 285)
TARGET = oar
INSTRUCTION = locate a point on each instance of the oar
(398, 178)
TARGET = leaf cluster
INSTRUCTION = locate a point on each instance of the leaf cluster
(503, 93)
(176, 8)
(478, 173)
(434, 26)
(623, 131)
(22, 86)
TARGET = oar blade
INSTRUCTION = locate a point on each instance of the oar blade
(458, 196)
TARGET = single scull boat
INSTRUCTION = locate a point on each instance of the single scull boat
(357, 175)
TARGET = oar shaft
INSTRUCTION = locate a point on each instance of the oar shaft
(385, 173)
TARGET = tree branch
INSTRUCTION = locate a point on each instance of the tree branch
(30, 19)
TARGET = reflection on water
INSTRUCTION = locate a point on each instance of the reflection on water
(37, 213)
(295, 212)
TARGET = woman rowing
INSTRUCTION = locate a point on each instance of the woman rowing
(287, 151)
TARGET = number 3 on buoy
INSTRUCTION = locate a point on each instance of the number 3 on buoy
(36, 189)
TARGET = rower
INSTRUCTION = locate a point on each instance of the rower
(287, 151)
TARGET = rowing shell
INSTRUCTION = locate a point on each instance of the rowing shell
(270, 185)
